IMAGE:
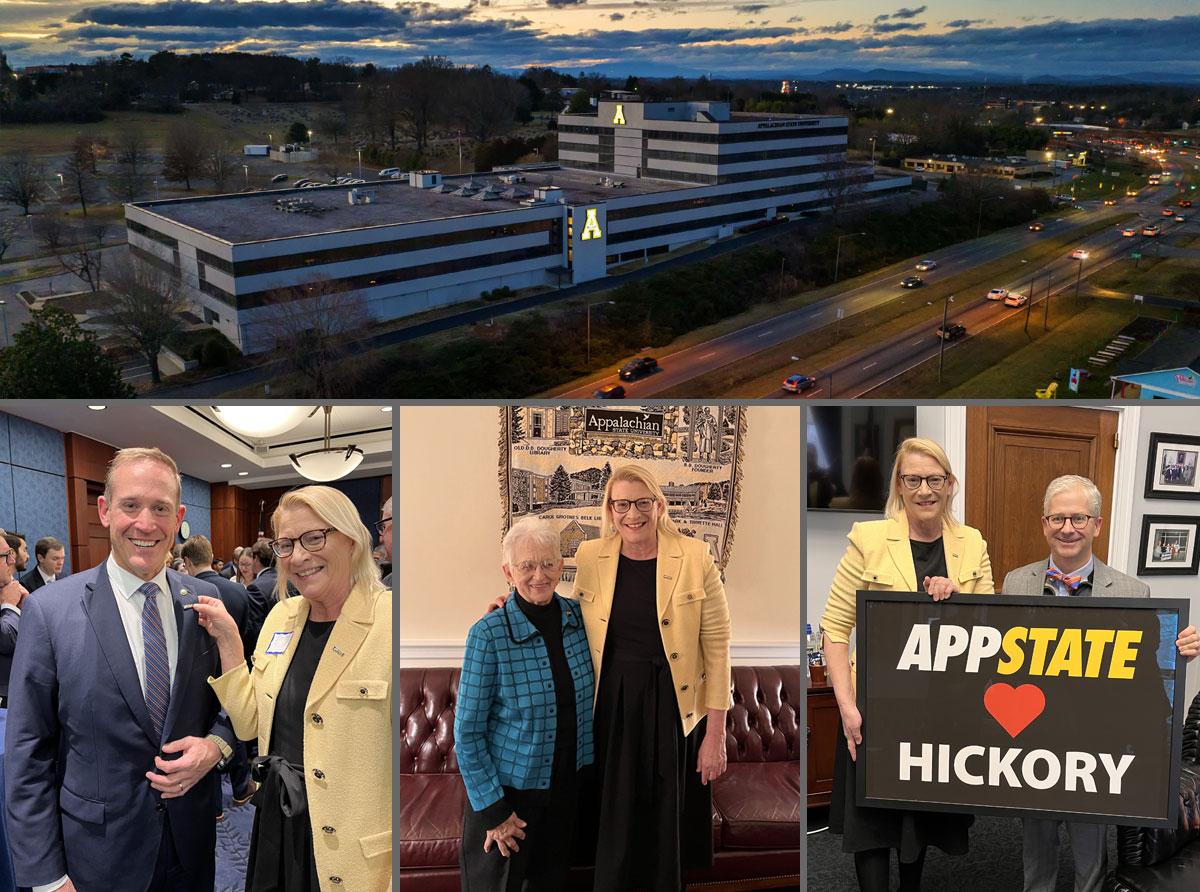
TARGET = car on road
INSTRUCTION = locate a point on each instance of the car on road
(1184, 203)
(635, 368)
(1181, 218)
(1150, 230)
(1128, 231)
(279, 178)
(1167, 212)
(912, 282)
(1036, 227)
(926, 265)
(1110, 201)
(1015, 300)
(799, 383)
(1079, 254)
(610, 392)
(997, 294)
(951, 330)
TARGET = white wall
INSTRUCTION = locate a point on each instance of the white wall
(449, 518)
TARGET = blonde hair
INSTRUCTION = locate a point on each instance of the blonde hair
(336, 510)
(921, 446)
(636, 474)
(140, 453)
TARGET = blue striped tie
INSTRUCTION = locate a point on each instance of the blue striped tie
(158, 670)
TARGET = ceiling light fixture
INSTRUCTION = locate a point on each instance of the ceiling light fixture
(226, 465)
(97, 408)
(262, 421)
(323, 465)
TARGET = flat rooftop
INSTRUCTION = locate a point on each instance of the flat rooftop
(253, 217)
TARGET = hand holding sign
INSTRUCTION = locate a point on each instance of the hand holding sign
(939, 587)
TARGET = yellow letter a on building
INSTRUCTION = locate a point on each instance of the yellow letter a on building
(591, 229)
(619, 117)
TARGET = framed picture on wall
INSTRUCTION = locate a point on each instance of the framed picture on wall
(1171, 467)
(1169, 545)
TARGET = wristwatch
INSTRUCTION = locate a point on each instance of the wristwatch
(226, 751)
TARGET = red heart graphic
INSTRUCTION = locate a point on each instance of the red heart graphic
(1014, 708)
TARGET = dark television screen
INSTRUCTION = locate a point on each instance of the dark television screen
(850, 452)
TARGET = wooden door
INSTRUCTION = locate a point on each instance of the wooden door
(1013, 452)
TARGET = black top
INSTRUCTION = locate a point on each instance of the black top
(929, 558)
(287, 734)
(633, 622)
(547, 619)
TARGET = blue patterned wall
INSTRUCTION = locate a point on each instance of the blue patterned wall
(33, 486)
(196, 496)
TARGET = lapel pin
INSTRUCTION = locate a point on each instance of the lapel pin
(665, 576)
(183, 591)
(953, 555)
(338, 652)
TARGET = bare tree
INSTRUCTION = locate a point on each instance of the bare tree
(183, 155)
(418, 88)
(9, 231)
(147, 306)
(314, 325)
(79, 249)
(220, 164)
(23, 182)
(79, 170)
(132, 152)
(333, 124)
(486, 103)
(840, 183)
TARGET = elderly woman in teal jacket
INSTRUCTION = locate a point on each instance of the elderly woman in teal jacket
(523, 724)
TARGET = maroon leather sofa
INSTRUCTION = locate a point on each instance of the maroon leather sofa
(758, 813)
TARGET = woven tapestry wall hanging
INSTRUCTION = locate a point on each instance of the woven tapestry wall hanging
(556, 460)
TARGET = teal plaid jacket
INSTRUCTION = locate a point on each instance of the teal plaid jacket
(505, 722)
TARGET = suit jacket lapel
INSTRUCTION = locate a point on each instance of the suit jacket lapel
(1102, 578)
(100, 606)
(670, 561)
(952, 543)
(189, 645)
(358, 613)
(901, 552)
(606, 568)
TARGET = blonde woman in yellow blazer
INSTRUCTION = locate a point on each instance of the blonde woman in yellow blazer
(319, 702)
(919, 546)
(657, 623)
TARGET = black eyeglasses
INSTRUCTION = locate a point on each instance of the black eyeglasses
(10, 556)
(913, 481)
(312, 541)
(1079, 521)
(381, 525)
(621, 506)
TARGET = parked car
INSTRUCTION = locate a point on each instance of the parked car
(1015, 300)
(610, 392)
(1128, 231)
(1079, 254)
(279, 178)
(912, 282)
(951, 331)
(635, 368)
(1036, 227)
(389, 171)
(926, 265)
(799, 383)
(997, 294)
(1150, 230)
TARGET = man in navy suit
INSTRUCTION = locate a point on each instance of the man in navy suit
(50, 555)
(12, 596)
(112, 729)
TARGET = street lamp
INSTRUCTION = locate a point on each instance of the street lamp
(942, 335)
(979, 220)
(1078, 276)
(359, 163)
(310, 140)
(589, 328)
(838, 257)
(246, 169)
(873, 138)
(4, 315)
(156, 195)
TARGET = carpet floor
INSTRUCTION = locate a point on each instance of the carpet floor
(233, 842)
(993, 863)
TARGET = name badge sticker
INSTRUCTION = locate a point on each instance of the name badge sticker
(279, 642)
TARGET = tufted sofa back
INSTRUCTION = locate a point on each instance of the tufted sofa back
(763, 725)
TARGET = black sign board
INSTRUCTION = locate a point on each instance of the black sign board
(618, 423)
(1066, 708)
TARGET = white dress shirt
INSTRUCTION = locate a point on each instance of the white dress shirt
(46, 580)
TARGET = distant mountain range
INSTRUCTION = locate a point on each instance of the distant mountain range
(885, 75)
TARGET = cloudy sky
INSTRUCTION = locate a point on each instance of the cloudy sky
(773, 38)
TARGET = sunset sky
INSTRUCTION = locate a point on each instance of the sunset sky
(725, 38)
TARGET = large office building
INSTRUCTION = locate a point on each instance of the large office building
(634, 179)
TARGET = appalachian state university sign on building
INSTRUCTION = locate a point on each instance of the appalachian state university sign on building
(1037, 707)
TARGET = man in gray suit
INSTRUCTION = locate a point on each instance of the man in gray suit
(1070, 521)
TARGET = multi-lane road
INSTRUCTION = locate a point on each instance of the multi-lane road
(859, 374)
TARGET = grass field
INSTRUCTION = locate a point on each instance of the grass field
(1176, 277)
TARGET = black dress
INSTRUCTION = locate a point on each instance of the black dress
(281, 842)
(544, 858)
(909, 832)
(655, 817)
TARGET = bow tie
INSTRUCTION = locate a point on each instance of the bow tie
(1070, 582)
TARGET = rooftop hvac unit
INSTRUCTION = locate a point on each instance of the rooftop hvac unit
(424, 179)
